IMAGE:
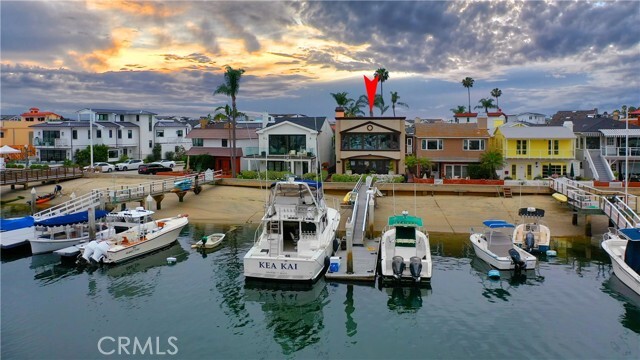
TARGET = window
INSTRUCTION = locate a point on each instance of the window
(549, 170)
(369, 141)
(119, 133)
(89, 134)
(521, 147)
(456, 171)
(52, 155)
(130, 134)
(409, 145)
(98, 133)
(40, 119)
(160, 133)
(473, 144)
(150, 124)
(610, 141)
(110, 134)
(529, 171)
(1, 134)
(179, 133)
(74, 134)
(369, 166)
(225, 143)
(103, 117)
(284, 144)
(150, 144)
(113, 154)
(29, 119)
(432, 144)
(121, 117)
(554, 147)
(197, 142)
(137, 117)
(514, 172)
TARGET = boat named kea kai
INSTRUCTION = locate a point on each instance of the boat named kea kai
(404, 250)
(297, 234)
(531, 234)
(623, 247)
(140, 239)
(495, 246)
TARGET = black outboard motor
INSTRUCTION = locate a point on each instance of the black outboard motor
(515, 257)
(529, 240)
(415, 266)
(397, 265)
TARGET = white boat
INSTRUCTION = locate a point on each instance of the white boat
(297, 234)
(531, 234)
(495, 246)
(56, 238)
(623, 247)
(209, 242)
(136, 241)
(16, 231)
(404, 250)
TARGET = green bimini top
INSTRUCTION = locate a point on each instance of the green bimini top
(405, 220)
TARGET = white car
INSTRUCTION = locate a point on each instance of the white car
(167, 163)
(131, 164)
(102, 167)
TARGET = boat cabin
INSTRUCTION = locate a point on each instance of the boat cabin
(632, 251)
(406, 227)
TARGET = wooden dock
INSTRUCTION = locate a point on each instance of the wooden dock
(25, 176)
(365, 263)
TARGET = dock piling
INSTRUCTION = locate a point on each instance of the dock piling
(159, 198)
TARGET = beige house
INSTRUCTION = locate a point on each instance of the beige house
(369, 144)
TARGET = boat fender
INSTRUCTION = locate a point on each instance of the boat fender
(415, 266)
(326, 261)
(515, 257)
(397, 265)
(336, 244)
(529, 240)
(494, 274)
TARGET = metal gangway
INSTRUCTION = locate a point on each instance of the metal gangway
(621, 208)
(98, 198)
(356, 224)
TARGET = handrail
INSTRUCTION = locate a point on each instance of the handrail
(592, 166)
(610, 175)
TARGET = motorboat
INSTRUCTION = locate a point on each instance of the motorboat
(623, 247)
(138, 240)
(531, 234)
(405, 253)
(297, 234)
(495, 246)
(16, 231)
(209, 242)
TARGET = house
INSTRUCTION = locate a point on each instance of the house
(370, 144)
(601, 147)
(15, 130)
(570, 115)
(530, 118)
(451, 147)
(294, 144)
(536, 151)
(215, 141)
(171, 135)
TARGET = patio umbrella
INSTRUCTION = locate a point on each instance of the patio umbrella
(8, 150)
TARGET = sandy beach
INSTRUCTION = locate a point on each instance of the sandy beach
(241, 205)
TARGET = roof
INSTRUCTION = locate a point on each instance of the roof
(9, 117)
(83, 123)
(530, 113)
(120, 111)
(620, 132)
(537, 132)
(313, 123)
(497, 113)
(565, 115)
(213, 151)
(585, 125)
(465, 115)
(405, 220)
(450, 130)
(39, 113)
(241, 133)
(170, 123)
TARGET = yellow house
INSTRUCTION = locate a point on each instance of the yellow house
(539, 151)
(15, 131)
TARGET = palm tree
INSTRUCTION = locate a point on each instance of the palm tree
(226, 114)
(485, 104)
(394, 102)
(468, 83)
(492, 160)
(496, 93)
(354, 109)
(383, 75)
(379, 103)
(230, 88)
(341, 98)
(458, 110)
(624, 111)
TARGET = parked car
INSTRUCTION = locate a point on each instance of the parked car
(129, 164)
(153, 168)
(101, 166)
(168, 163)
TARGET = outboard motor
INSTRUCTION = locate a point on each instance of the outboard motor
(397, 265)
(515, 257)
(415, 266)
(100, 251)
(88, 251)
(529, 240)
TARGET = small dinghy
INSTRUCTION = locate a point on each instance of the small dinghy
(209, 242)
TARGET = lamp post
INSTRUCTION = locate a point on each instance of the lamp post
(93, 114)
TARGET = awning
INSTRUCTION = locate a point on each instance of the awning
(14, 224)
(75, 218)
(213, 151)
(620, 132)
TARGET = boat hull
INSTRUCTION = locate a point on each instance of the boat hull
(388, 250)
(542, 237)
(13, 238)
(615, 248)
(42, 245)
(284, 268)
(499, 262)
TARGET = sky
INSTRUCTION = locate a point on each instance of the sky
(169, 56)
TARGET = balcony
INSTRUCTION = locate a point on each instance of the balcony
(52, 143)
(254, 152)
(619, 152)
(542, 155)
(172, 140)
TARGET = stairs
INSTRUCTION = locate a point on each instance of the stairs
(506, 191)
(600, 166)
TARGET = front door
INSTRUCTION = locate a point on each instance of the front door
(225, 165)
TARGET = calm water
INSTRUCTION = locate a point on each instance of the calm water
(572, 307)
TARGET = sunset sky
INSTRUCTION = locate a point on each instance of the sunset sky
(168, 56)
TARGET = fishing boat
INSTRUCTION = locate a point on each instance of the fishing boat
(209, 242)
(623, 247)
(495, 246)
(405, 254)
(296, 236)
(141, 239)
(531, 234)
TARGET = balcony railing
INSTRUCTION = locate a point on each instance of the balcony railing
(52, 143)
(264, 152)
(544, 154)
(619, 151)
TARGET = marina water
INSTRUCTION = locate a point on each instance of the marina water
(572, 307)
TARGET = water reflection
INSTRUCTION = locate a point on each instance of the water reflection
(406, 299)
(293, 313)
(630, 319)
(499, 289)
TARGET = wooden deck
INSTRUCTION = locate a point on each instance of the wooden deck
(25, 176)
(365, 262)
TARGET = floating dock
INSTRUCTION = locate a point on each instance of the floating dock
(365, 263)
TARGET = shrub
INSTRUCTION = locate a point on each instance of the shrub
(314, 176)
(150, 158)
(248, 174)
(123, 158)
(344, 178)
(39, 167)
(169, 155)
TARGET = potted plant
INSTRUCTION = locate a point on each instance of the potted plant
(392, 167)
(347, 167)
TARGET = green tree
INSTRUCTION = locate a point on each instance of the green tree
(342, 99)
(492, 160)
(156, 152)
(485, 104)
(458, 110)
(468, 83)
(383, 75)
(394, 101)
(100, 154)
(354, 109)
(230, 88)
(496, 93)
(412, 162)
(624, 111)
(379, 103)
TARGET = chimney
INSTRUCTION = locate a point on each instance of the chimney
(339, 112)
(203, 122)
(568, 125)
(482, 122)
(265, 119)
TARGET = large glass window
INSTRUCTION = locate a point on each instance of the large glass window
(473, 144)
(370, 166)
(284, 144)
(521, 147)
(103, 117)
(369, 141)
(432, 144)
(554, 147)
(197, 142)
(456, 171)
(130, 134)
(53, 155)
(49, 137)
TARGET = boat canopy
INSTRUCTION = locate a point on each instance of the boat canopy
(493, 224)
(75, 218)
(17, 223)
(132, 214)
(632, 251)
(311, 183)
(531, 211)
(405, 220)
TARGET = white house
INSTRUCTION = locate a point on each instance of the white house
(530, 118)
(214, 140)
(171, 135)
